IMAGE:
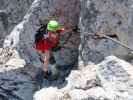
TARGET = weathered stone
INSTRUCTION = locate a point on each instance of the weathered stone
(80, 79)
(109, 80)
(20, 44)
(16, 62)
(48, 94)
(113, 81)
(22, 36)
(105, 17)
(81, 85)
(75, 94)
(116, 78)
(5, 55)
(11, 13)
(15, 81)
(16, 86)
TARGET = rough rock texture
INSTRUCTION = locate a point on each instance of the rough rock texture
(10, 58)
(16, 86)
(116, 77)
(16, 78)
(109, 80)
(22, 36)
(110, 17)
(18, 53)
(81, 85)
(11, 13)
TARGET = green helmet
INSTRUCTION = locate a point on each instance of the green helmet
(53, 25)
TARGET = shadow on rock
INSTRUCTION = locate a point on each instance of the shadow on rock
(56, 78)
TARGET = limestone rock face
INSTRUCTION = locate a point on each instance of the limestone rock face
(81, 85)
(22, 36)
(11, 13)
(18, 53)
(113, 18)
(10, 59)
(116, 77)
(109, 80)
(83, 81)
(16, 86)
(16, 78)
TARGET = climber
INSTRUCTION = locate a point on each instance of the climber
(48, 40)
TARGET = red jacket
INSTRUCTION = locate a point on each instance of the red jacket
(47, 44)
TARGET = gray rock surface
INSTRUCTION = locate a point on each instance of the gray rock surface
(18, 51)
(110, 17)
(16, 78)
(116, 78)
(84, 78)
(22, 36)
(16, 86)
(11, 13)
(109, 80)
(81, 85)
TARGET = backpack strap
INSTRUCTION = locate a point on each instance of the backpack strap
(45, 34)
